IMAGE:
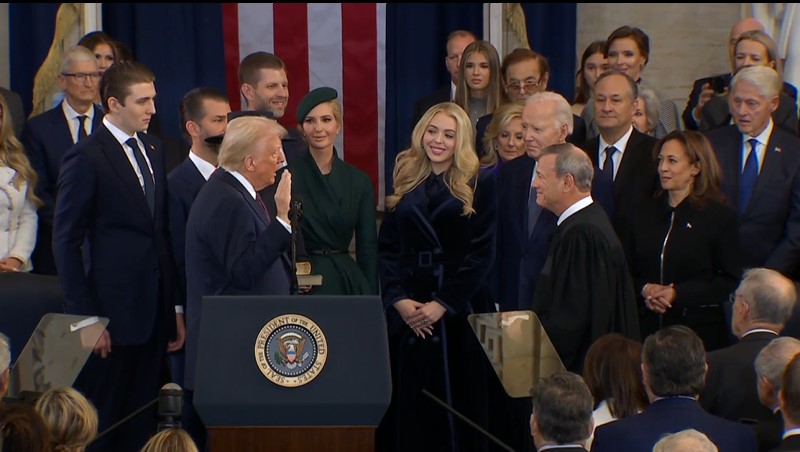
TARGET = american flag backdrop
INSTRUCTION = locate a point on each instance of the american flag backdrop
(340, 45)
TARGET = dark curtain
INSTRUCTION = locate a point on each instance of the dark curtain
(181, 44)
(31, 27)
(552, 32)
(416, 35)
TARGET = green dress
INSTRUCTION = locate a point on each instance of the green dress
(335, 207)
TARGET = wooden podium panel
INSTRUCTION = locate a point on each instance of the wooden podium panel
(291, 439)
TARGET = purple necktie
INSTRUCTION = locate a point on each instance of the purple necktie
(263, 206)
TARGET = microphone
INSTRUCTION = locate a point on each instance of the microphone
(170, 406)
(169, 400)
(295, 214)
(483, 432)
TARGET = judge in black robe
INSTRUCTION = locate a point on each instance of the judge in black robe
(585, 288)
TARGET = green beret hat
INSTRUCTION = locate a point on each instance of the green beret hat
(312, 99)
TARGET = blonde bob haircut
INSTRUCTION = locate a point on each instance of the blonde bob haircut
(412, 166)
(70, 418)
(244, 137)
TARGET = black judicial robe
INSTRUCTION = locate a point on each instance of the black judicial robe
(585, 288)
(429, 251)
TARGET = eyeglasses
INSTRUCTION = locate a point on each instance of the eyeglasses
(80, 77)
(528, 85)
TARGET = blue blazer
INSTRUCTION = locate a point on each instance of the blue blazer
(184, 182)
(769, 227)
(642, 431)
(47, 138)
(520, 257)
(231, 249)
(112, 252)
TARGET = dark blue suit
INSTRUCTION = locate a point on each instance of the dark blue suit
(47, 138)
(670, 415)
(102, 218)
(769, 227)
(520, 256)
(231, 249)
(429, 100)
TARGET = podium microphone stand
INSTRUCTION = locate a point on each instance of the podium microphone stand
(295, 215)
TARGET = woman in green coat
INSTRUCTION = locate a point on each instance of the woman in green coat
(338, 203)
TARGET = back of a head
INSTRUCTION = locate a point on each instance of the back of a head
(612, 371)
(770, 364)
(790, 392)
(170, 440)
(770, 295)
(70, 417)
(562, 406)
(689, 440)
(674, 362)
(23, 429)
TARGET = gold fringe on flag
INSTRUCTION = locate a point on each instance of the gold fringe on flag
(515, 17)
(68, 20)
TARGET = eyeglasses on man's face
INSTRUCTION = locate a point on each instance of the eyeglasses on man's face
(81, 77)
(527, 85)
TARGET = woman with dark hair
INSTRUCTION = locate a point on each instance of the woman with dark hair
(612, 370)
(683, 246)
(593, 63)
(103, 46)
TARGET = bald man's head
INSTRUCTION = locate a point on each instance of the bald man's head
(744, 25)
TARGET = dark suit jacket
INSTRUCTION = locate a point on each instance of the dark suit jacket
(47, 138)
(789, 444)
(637, 178)
(520, 257)
(769, 228)
(231, 249)
(185, 181)
(697, 88)
(716, 114)
(730, 390)
(14, 102)
(670, 415)
(577, 137)
(101, 207)
(429, 100)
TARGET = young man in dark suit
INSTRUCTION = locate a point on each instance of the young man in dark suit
(49, 135)
(623, 156)
(112, 248)
(204, 115)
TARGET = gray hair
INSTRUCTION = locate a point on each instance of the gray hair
(772, 359)
(73, 55)
(5, 353)
(562, 112)
(563, 408)
(651, 106)
(764, 78)
(685, 440)
(242, 138)
(632, 85)
(572, 160)
(770, 295)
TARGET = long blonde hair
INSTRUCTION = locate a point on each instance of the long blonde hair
(412, 166)
(12, 155)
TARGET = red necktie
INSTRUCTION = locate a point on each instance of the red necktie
(263, 206)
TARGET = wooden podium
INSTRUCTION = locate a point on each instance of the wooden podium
(292, 373)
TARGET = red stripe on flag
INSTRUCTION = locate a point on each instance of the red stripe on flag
(230, 35)
(290, 30)
(360, 87)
